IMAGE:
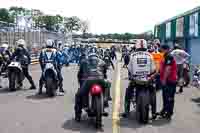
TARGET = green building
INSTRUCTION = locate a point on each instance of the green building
(183, 29)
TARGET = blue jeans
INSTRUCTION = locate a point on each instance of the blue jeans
(168, 94)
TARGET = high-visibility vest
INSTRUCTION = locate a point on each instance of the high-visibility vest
(158, 57)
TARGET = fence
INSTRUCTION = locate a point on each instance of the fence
(10, 33)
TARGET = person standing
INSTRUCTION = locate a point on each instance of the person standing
(168, 78)
(181, 58)
(22, 55)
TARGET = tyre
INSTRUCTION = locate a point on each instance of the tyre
(98, 102)
(50, 87)
(12, 81)
(142, 107)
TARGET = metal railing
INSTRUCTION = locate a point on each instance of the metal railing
(10, 33)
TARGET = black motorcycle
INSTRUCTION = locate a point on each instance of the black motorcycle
(94, 104)
(139, 96)
(51, 79)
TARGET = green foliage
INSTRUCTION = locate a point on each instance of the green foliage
(72, 23)
(5, 16)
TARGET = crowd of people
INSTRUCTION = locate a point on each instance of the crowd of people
(145, 61)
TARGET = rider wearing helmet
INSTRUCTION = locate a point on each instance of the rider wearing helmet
(60, 62)
(22, 55)
(92, 71)
(141, 64)
(49, 54)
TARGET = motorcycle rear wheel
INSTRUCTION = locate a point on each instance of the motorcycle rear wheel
(50, 87)
(142, 107)
(12, 82)
(98, 102)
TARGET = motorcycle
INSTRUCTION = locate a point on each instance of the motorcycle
(196, 78)
(139, 96)
(94, 104)
(15, 75)
(51, 79)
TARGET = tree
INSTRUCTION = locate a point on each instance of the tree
(128, 36)
(17, 10)
(84, 26)
(72, 24)
(5, 16)
(48, 21)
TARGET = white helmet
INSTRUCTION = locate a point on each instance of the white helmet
(66, 45)
(141, 44)
(49, 43)
(5, 46)
(157, 41)
(21, 42)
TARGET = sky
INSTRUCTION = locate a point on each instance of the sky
(111, 16)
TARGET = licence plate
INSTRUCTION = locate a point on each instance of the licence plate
(142, 79)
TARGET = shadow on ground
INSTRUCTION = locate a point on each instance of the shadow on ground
(4, 90)
(85, 126)
(43, 96)
(38, 97)
(196, 100)
(7, 90)
(131, 122)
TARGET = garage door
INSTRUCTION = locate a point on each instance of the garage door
(195, 50)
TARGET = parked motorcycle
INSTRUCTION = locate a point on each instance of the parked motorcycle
(15, 75)
(196, 78)
(51, 79)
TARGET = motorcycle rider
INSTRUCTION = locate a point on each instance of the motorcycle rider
(124, 50)
(113, 52)
(54, 59)
(21, 54)
(60, 62)
(92, 70)
(147, 70)
(66, 54)
(107, 59)
(126, 59)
